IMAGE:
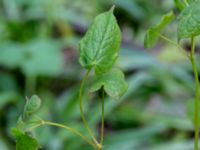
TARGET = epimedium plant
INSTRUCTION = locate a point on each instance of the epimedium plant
(188, 27)
(99, 49)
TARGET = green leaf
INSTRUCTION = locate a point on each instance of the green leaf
(152, 34)
(113, 83)
(24, 141)
(99, 48)
(188, 21)
(32, 105)
(180, 4)
(191, 110)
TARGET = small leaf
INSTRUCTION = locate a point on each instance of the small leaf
(188, 21)
(191, 110)
(152, 34)
(99, 48)
(180, 4)
(113, 83)
(32, 105)
(24, 141)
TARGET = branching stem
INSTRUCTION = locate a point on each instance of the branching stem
(72, 130)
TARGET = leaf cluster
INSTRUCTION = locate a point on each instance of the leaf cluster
(99, 49)
(188, 23)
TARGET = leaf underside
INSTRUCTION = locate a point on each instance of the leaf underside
(99, 48)
(189, 21)
(113, 83)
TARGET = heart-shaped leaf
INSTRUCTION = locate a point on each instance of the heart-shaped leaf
(152, 34)
(189, 22)
(24, 141)
(113, 83)
(99, 48)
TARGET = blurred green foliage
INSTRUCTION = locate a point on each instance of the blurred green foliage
(38, 54)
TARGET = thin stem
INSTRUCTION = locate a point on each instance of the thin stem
(174, 43)
(42, 123)
(37, 117)
(81, 107)
(72, 131)
(102, 119)
(36, 126)
(196, 115)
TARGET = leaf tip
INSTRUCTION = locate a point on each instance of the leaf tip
(112, 8)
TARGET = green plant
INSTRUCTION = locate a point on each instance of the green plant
(99, 50)
(188, 27)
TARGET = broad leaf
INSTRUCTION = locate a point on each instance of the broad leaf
(189, 22)
(24, 141)
(152, 34)
(100, 46)
(32, 105)
(113, 83)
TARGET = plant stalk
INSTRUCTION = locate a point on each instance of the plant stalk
(196, 115)
(102, 119)
(81, 91)
(72, 130)
(175, 44)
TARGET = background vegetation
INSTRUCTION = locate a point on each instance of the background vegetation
(39, 54)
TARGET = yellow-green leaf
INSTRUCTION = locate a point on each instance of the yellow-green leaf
(180, 4)
(24, 141)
